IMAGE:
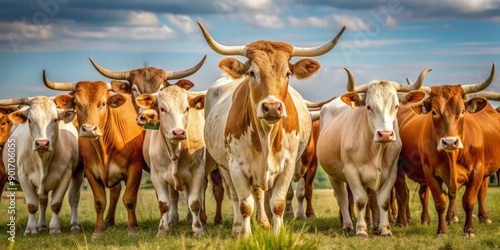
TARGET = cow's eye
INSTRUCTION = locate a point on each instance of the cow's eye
(29, 121)
(55, 120)
(396, 108)
(187, 110)
(252, 74)
(162, 110)
(288, 74)
(434, 112)
(3, 124)
(369, 108)
(463, 111)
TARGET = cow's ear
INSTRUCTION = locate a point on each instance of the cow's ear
(476, 104)
(185, 84)
(232, 67)
(304, 68)
(121, 87)
(19, 116)
(66, 115)
(422, 108)
(116, 101)
(197, 102)
(412, 97)
(65, 101)
(146, 101)
(353, 99)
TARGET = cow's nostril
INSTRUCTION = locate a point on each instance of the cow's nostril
(265, 108)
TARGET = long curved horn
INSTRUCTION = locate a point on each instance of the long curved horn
(16, 101)
(471, 88)
(490, 95)
(313, 105)
(184, 73)
(351, 83)
(58, 85)
(320, 50)
(412, 86)
(221, 49)
(124, 75)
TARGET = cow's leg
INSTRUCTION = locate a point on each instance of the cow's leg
(194, 200)
(308, 186)
(393, 209)
(130, 195)
(237, 219)
(481, 199)
(245, 197)
(278, 196)
(374, 210)
(43, 201)
(218, 191)
(470, 196)
(384, 199)
(340, 192)
(99, 203)
(173, 213)
(262, 218)
(288, 204)
(161, 189)
(439, 199)
(114, 197)
(402, 198)
(360, 199)
(74, 197)
(301, 193)
(56, 203)
(423, 194)
(31, 202)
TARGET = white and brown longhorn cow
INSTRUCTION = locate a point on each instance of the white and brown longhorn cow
(359, 144)
(45, 148)
(256, 125)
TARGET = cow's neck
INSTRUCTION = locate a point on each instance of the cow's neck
(120, 128)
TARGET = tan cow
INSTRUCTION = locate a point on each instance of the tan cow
(359, 144)
(252, 127)
(175, 152)
(110, 143)
(5, 125)
(45, 148)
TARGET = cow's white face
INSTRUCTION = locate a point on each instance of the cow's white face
(173, 107)
(43, 120)
(382, 107)
(382, 101)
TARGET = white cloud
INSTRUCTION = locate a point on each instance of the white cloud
(183, 22)
(263, 21)
(119, 32)
(256, 4)
(352, 23)
(142, 18)
(24, 30)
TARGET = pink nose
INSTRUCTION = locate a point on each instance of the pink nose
(385, 135)
(89, 128)
(450, 143)
(42, 144)
(179, 134)
(272, 110)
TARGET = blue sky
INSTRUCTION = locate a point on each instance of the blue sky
(385, 39)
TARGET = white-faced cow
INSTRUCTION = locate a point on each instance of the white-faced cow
(110, 143)
(45, 148)
(256, 125)
(175, 152)
(359, 144)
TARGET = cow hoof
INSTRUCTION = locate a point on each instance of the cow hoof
(455, 219)
(362, 235)
(441, 235)
(311, 216)
(41, 228)
(389, 234)
(469, 235)
(55, 231)
(174, 222)
(199, 233)
(347, 229)
(161, 233)
(300, 216)
(30, 231)
(75, 228)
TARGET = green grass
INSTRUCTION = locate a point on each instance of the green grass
(325, 232)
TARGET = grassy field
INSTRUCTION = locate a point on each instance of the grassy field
(325, 232)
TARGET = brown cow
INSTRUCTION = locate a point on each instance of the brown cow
(5, 125)
(149, 80)
(453, 147)
(110, 143)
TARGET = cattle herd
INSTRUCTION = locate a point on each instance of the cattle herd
(252, 133)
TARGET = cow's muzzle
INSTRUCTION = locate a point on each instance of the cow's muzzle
(272, 111)
(450, 143)
(91, 132)
(177, 135)
(385, 136)
(42, 145)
